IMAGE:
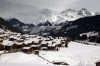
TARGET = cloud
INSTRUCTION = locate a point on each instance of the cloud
(24, 9)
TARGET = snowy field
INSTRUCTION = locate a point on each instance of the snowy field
(76, 54)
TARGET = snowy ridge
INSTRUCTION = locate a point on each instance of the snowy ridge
(71, 14)
(65, 15)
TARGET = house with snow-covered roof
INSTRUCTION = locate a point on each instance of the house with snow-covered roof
(36, 41)
(19, 40)
(28, 42)
(97, 63)
(52, 46)
(36, 47)
(32, 36)
(3, 36)
(12, 38)
(8, 45)
(44, 44)
(27, 50)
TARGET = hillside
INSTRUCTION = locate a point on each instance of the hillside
(79, 26)
(6, 26)
(25, 28)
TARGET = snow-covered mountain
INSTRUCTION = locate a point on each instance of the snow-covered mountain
(66, 15)
(44, 16)
(25, 28)
(97, 13)
(71, 14)
(79, 26)
(6, 26)
(49, 18)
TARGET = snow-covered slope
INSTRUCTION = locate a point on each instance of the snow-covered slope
(45, 15)
(40, 30)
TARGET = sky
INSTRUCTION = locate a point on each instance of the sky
(24, 9)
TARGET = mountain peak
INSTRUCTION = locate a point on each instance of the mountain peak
(85, 12)
(68, 10)
(84, 9)
(45, 15)
(46, 11)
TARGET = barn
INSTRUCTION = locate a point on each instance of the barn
(98, 63)
(27, 50)
(8, 45)
(36, 47)
(51, 46)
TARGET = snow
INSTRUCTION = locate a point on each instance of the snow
(24, 64)
(35, 45)
(26, 47)
(8, 43)
(92, 33)
(44, 15)
(76, 54)
(43, 42)
(65, 15)
(1, 52)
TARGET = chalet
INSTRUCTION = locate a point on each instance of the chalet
(36, 52)
(36, 47)
(52, 46)
(15, 47)
(98, 63)
(60, 62)
(32, 36)
(27, 50)
(47, 39)
(58, 42)
(51, 38)
(28, 42)
(12, 38)
(44, 44)
(23, 37)
(44, 48)
(9, 46)
(26, 36)
(19, 40)
(19, 45)
(22, 45)
(3, 36)
(59, 37)
(63, 43)
(36, 41)
(18, 35)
